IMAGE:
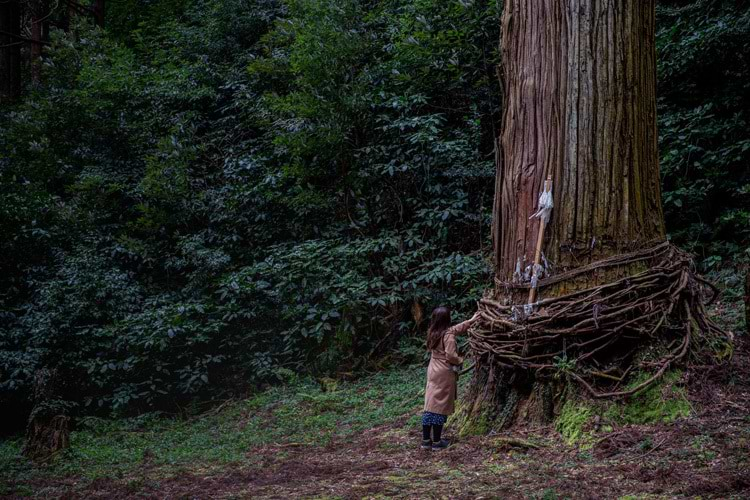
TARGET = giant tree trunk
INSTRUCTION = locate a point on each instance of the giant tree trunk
(579, 107)
(10, 50)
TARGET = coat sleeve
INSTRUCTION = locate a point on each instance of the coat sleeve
(461, 328)
(451, 351)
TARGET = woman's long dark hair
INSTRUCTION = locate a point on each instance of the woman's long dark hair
(439, 323)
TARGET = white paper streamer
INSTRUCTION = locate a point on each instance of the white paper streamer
(545, 207)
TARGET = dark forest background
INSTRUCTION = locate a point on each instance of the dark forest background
(203, 196)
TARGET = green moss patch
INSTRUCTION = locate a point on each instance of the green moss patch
(663, 401)
(465, 425)
(573, 421)
(477, 426)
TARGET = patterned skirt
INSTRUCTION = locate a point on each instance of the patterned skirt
(429, 418)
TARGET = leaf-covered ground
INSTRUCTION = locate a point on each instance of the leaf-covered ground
(360, 439)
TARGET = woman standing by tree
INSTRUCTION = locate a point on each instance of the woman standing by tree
(442, 375)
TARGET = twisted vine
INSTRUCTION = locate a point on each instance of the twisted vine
(592, 333)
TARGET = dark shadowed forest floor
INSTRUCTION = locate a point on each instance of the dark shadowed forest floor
(707, 456)
(326, 439)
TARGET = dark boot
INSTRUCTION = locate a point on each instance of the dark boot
(441, 445)
(426, 441)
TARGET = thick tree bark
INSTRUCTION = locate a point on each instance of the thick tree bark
(580, 105)
(10, 50)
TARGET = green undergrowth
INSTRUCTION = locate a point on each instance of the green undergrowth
(307, 412)
(663, 401)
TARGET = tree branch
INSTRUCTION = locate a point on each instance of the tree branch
(23, 38)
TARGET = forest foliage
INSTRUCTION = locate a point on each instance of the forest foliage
(212, 194)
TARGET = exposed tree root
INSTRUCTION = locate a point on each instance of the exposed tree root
(509, 442)
(592, 335)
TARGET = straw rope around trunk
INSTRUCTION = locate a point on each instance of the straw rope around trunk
(590, 334)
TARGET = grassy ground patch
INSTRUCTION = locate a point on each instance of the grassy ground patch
(307, 412)
(298, 441)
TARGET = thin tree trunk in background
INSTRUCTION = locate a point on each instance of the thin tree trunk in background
(99, 12)
(70, 13)
(580, 105)
(747, 300)
(45, 27)
(10, 49)
(37, 15)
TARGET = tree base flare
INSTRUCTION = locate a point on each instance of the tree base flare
(46, 437)
(592, 340)
(48, 430)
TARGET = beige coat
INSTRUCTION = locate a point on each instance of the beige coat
(440, 394)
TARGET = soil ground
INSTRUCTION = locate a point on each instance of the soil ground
(706, 456)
